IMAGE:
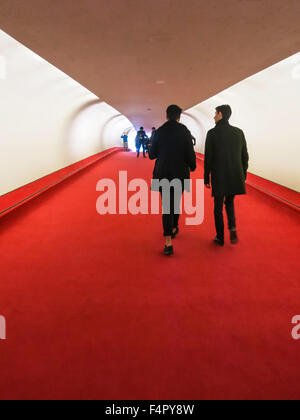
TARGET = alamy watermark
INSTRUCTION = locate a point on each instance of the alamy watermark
(147, 201)
(2, 328)
(296, 329)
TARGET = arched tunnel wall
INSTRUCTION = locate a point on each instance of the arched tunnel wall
(266, 107)
(48, 121)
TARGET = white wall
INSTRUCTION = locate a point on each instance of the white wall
(267, 107)
(47, 120)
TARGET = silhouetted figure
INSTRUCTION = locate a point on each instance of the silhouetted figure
(149, 140)
(141, 141)
(152, 135)
(125, 142)
(226, 165)
(173, 150)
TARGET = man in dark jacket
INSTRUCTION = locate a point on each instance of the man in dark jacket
(173, 150)
(226, 163)
(141, 141)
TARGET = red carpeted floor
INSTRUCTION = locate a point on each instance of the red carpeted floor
(16, 198)
(94, 310)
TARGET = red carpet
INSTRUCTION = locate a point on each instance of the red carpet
(13, 199)
(94, 310)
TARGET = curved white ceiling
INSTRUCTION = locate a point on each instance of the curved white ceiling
(140, 56)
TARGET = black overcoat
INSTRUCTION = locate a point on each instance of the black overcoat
(226, 160)
(172, 146)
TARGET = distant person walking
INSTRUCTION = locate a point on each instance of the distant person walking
(124, 137)
(173, 150)
(150, 140)
(226, 165)
(140, 141)
(152, 135)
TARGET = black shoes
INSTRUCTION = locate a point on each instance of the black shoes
(233, 237)
(218, 241)
(175, 233)
(169, 250)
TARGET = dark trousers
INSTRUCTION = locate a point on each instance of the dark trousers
(171, 218)
(138, 148)
(219, 219)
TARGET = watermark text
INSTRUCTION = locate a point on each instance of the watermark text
(296, 329)
(2, 328)
(147, 201)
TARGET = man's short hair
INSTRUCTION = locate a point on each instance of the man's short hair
(225, 110)
(174, 112)
(142, 128)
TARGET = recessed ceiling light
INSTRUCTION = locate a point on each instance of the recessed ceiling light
(160, 82)
(162, 37)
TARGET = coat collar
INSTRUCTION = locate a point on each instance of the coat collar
(222, 122)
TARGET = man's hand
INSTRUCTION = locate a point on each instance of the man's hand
(207, 186)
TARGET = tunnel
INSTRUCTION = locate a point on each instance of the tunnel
(90, 308)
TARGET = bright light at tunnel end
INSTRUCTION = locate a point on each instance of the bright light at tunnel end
(131, 139)
(132, 136)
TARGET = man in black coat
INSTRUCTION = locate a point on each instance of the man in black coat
(173, 150)
(226, 163)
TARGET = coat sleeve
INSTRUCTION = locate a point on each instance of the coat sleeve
(208, 158)
(191, 155)
(153, 150)
(245, 155)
